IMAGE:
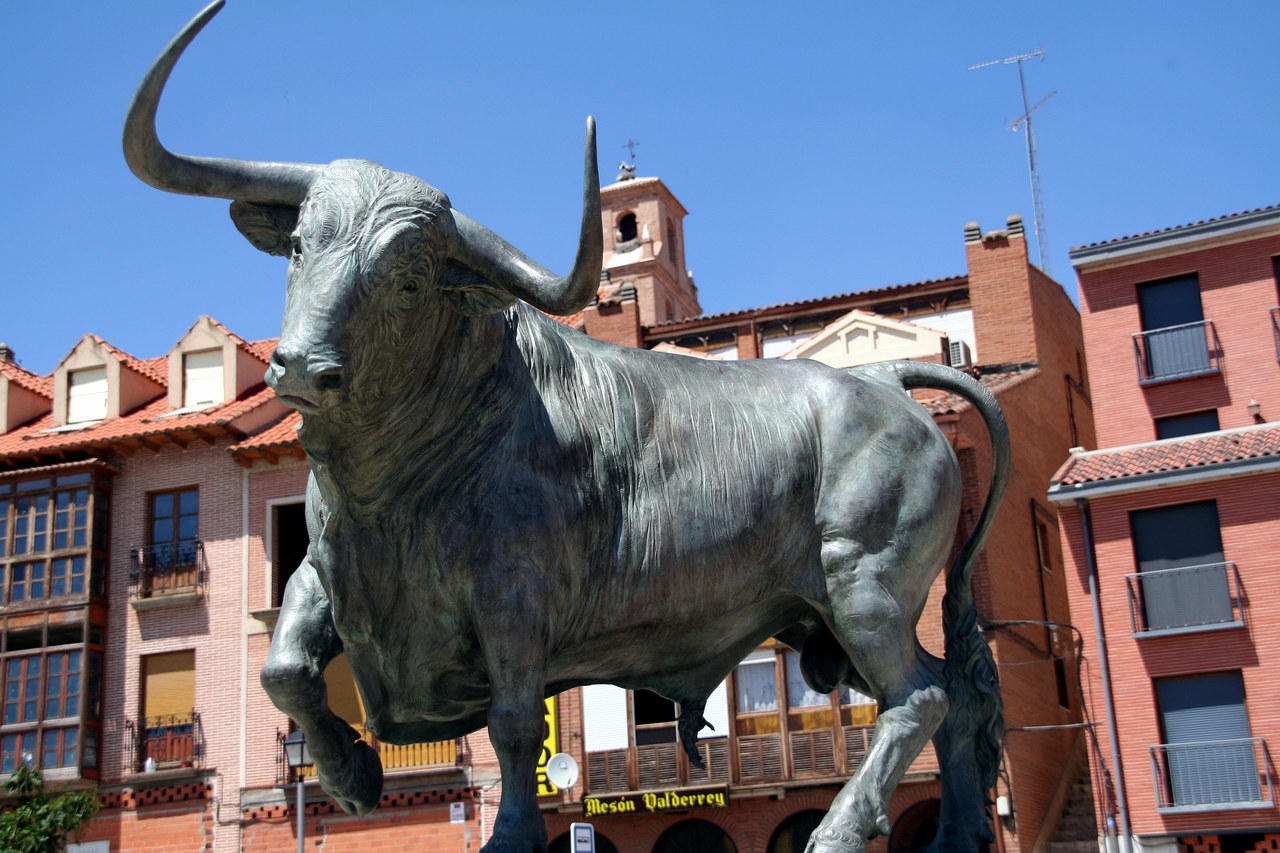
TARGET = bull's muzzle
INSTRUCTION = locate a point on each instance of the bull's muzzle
(304, 381)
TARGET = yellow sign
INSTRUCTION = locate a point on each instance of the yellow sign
(549, 748)
(657, 801)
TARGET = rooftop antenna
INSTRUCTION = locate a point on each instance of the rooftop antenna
(1033, 165)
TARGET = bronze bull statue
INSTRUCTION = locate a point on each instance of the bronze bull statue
(502, 508)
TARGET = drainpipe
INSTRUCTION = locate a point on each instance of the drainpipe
(1104, 666)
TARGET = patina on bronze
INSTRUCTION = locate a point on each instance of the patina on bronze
(502, 508)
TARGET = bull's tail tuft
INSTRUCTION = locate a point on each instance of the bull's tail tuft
(972, 682)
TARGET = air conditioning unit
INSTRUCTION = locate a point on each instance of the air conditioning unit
(958, 354)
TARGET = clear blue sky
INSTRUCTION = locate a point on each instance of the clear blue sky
(819, 147)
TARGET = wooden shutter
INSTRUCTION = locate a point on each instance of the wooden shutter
(169, 684)
(344, 698)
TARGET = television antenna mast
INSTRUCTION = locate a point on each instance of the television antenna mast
(1033, 164)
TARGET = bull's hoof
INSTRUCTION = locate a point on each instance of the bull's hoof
(357, 785)
(829, 839)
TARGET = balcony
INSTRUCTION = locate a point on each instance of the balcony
(166, 742)
(1212, 776)
(168, 575)
(437, 755)
(1185, 600)
(739, 759)
(1177, 352)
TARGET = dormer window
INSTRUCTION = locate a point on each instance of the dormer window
(87, 395)
(202, 378)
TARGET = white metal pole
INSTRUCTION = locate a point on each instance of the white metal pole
(301, 804)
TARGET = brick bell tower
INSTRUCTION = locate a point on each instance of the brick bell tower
(644, 248)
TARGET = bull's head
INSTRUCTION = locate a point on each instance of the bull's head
(366, 244)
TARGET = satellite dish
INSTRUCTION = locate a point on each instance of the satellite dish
(562, 770)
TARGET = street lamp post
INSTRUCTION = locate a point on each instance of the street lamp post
(298, 756)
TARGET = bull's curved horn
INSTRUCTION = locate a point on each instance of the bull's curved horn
(505, 265)
(245, 180)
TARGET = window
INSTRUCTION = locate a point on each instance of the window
(86, 395)
(167, 734)
(792, 835)
(1182, 575)
(627, 229)
(46, 547)
(1192, 423)
(289, 542)
(1209, 757)
(1174, 341)
(173, 561)
(52, 683)
(202, 378)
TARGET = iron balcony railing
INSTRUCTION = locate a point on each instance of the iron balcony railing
(1177, 352)
(1275, 330)
(1184, 600)
(170, 740)
(166, 569)
(435, 755)
(1212, 775)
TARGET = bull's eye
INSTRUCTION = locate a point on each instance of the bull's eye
(409, 286)
(296, 242)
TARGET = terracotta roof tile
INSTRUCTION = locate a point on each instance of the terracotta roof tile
(1175, 454)
(1226, 218)
(34, 382)
(262, 349)
(283, 434)
(156, 369)
(996, 382)
(154, 418)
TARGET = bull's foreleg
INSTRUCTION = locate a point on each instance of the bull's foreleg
(303, 645)
(516, 659)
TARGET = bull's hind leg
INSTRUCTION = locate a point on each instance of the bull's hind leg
(877, 630)
(303, 645)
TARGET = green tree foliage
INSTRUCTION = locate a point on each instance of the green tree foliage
(40, 823)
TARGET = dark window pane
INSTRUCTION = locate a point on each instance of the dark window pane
(1192, 423)
(1171, 302)
(162, 506)
(189, 502)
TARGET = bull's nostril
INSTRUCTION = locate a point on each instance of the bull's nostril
(329, 381)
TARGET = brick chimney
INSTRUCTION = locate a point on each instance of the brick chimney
(1000, 282)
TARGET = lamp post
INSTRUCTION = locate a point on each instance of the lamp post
(298, 757)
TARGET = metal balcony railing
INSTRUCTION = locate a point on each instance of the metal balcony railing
(166, 569)
(1185, 600)
(1275, 330)
(1212, 775)
(171, 740)
(1177, 352)
(413, 756)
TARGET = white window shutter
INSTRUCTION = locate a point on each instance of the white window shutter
(604, 717)
(202, 378)
(87, 395)
(717, 713)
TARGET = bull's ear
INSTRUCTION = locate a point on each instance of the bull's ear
(269, 227)
(471, 293)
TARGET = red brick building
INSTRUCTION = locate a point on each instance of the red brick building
(169, 493)
(1170, 530)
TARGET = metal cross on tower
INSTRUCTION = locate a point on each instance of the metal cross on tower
(1033, 166)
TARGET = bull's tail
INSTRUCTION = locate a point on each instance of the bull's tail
(970, 671)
